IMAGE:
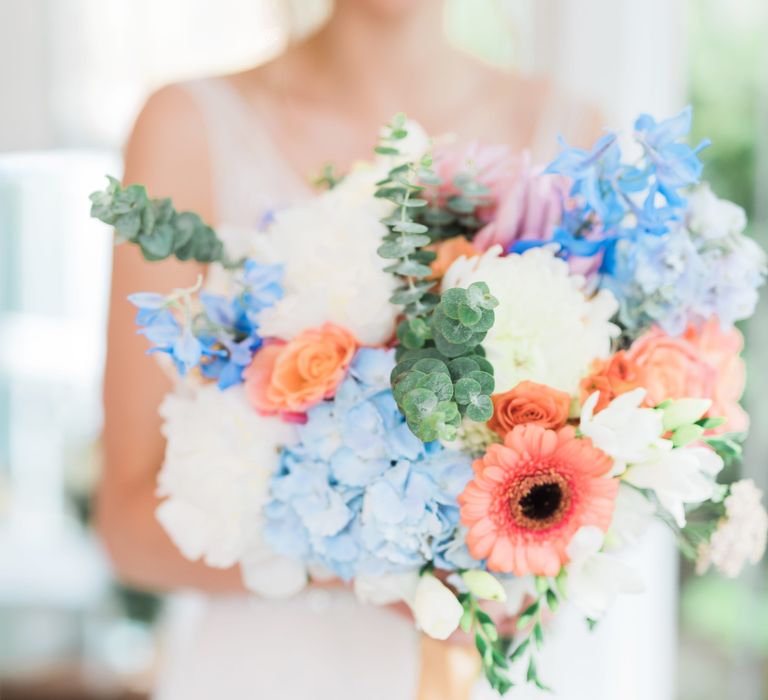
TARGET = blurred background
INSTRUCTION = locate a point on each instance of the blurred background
(74, 73)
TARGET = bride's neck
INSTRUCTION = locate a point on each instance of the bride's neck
(405, 52)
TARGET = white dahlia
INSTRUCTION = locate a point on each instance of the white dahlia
(332, 271)
(219, 457)
(547, 329)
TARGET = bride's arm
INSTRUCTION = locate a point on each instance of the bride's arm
(167, 152)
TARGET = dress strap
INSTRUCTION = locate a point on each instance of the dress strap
(249, 173)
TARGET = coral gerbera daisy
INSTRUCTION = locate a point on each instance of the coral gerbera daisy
(530, 496)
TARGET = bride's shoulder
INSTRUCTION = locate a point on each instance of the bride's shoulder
(167, 149)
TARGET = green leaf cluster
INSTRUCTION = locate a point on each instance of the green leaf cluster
(492, 647)
(458, 215)
(530, 623)
(155, 226)
(442, 374)
(404, 244)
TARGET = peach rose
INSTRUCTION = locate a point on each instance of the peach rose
(722, 350)
(529, 403)
(673, 368)
(612, 377)
(292, 377)
(447, 252)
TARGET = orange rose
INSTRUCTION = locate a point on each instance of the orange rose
(612, 377)
(722, 351)
(292, 377)
(447, 252)
(673, 368)
(529, 403)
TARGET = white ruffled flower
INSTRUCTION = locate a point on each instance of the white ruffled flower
(595, 579)
(713, 218)
(623, 430)
(332, 270)
(436, 608)
(547, 330)
(740, 536)
(219, 457)
(677, 476)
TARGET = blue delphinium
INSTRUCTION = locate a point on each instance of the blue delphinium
(616, 201)
(360, 493)
(222, 338)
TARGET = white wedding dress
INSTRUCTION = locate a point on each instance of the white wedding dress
(323, 644)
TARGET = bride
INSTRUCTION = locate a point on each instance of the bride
(230, 147)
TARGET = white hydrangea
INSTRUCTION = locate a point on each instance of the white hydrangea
(220, 454)
(547, 330)
(740, 536)
(328, 246)
(713, 218)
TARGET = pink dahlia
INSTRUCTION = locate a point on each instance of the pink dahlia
(531, 494)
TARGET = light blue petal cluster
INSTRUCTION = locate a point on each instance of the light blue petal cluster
(677, 279)
(222, 338)
(360, 493)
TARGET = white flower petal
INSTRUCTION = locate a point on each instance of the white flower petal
(623, 430)
(386, 589)
(328, 247)
(436, 608)
(595, 579)
(540, 304)
(219, 457)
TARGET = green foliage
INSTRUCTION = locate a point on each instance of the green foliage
(531, 625)
(492, 647)
(728, 446)
(156, 227)
(327, 178)
(441, 374)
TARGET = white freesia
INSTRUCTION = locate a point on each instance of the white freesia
(333, 273)
(677, 476)
(385, 589)
(219, 457)
(594, 578)
(546, 330)
(436, 608)
(740, 536)
(623, 430)
(633, 514)
(682, 412)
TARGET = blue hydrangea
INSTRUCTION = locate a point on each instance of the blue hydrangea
(657, 280)
(360, 493)
(222, 338)
(677, 279)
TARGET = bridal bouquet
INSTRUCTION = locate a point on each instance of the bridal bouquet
(454, 378)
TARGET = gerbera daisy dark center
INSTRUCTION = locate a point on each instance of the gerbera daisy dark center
(538, 502)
